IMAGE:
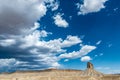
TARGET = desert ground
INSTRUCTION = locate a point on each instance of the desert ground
(56, 74)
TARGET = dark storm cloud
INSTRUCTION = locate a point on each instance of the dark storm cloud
(19, 15)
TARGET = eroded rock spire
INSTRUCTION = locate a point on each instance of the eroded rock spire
(90, 65)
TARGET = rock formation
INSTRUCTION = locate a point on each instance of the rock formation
(55, 74)
(91, 72)
(90, 65)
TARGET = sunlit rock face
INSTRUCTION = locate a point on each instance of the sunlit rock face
(90, 65)
(55, 74)
(91, 72)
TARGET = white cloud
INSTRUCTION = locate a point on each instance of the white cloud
(66, 60)
(71, 40)
(59, 21)
(56, 65)
(10, 64)
(86, 58)
(36, 25)
(7, 42)
(90, 6)
(54, 5)
(55, 45)
(48, 60)
(98, 42)
(30, 39)
(46, 50)
(76, 54)
(7, 62)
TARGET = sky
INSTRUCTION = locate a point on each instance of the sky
(62, 34)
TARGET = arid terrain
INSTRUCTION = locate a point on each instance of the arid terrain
(55, 74)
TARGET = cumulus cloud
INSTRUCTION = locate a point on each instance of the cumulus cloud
(7, 42)
(52, 46)
(90, 6)
(40, 51)
(9, 64)
(59, 21)
(86, 58)
(48, 60)
(32, 39)
(71, 40)
(43, 54)
(76, 54)
(20, 15)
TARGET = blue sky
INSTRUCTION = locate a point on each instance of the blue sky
(61, 34)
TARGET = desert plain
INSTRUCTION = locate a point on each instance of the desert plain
(60, 74)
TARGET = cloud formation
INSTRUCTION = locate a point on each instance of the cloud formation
(25, 43)
(90, 6)
(77, 54)
(10, 64)
(34, 51)
(59, 21)
(53, 4)
(7, 42)
(20, 15)
(43, 54)
(86, 58)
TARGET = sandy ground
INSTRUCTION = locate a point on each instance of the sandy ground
(57, 75)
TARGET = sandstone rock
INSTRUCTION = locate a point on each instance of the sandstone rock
(90, 65)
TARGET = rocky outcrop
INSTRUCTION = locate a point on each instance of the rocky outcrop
(90, 65)
(91, 72)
